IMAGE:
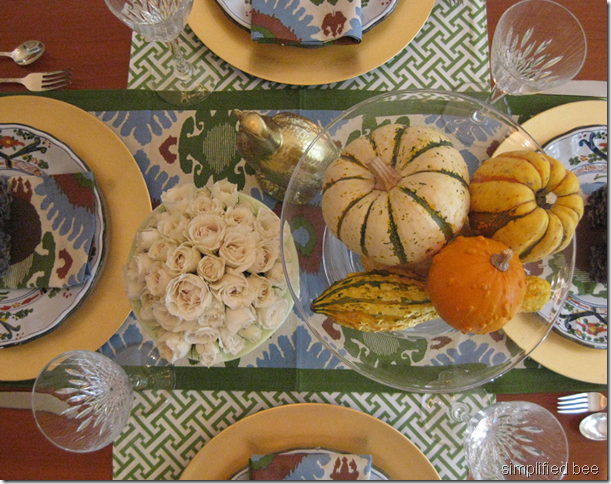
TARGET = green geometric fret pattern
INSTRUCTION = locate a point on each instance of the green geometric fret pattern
(160, 446)
(449, 53)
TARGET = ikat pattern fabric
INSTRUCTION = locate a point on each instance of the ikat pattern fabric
(52, 226)
(306, 23)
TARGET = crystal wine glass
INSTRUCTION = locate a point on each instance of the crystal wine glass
(514, 441)
(164, 20)
(537, 45)
(82, 399)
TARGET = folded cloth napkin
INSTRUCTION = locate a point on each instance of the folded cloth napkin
(310, 466)
(51, 228)
(306, 23)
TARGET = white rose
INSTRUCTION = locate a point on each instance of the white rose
(134, 286)
(264, 294)
(187, 296)
(172, 346)
(238, 250)
(157, 280)
(145, 238)
(147, 301)
(241, 214)
(166, 320)
(206, 232)
(226, 192)
(231, 342)
(233, 290)
(160, 248)
(267, 252)
(211, 268)
(183, 259)
(252, 332)
(272, 316)
(214, 315)
(174, 227)
(204, 204)
(236, 319)
(186, 326)
(267, 224)
(202, 336)
(156, 218)
(276, 276)
(209, 354)
(140, 265)
(178, 198)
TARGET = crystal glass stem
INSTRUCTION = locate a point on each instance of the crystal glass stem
(183, 69)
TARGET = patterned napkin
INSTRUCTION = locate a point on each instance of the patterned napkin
(306, 23)
(51, 227)
(310, 466)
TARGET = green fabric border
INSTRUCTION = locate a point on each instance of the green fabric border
(290, 99)
(532, 380)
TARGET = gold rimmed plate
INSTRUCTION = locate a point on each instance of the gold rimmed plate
(310, 425)
(556, 352)
(301, 66)
(126, 203)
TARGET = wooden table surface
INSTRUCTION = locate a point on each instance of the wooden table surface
(84, 35)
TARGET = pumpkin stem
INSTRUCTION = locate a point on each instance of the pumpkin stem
(501, 261)
(386, 176)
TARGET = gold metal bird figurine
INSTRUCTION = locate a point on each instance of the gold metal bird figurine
(273, 145)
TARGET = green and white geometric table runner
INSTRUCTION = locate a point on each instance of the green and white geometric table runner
(450, 53)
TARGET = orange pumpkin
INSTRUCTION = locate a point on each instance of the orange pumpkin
(476, 284)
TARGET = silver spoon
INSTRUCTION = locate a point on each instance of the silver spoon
(26, 53)
(594, 426)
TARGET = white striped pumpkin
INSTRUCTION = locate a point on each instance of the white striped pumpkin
(397, 195)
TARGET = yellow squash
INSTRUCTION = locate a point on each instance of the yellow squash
(526, 200)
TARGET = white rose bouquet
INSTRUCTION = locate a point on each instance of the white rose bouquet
(204, 275)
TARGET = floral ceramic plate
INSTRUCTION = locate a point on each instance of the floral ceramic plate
(372, 13)
(584, 317)
(27, 314)
(557, 352)
(215, 329)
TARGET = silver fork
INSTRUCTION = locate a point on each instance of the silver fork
(582, 402)
(43, 81)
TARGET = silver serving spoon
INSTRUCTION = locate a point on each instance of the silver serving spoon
(594, 426)
(26, 53)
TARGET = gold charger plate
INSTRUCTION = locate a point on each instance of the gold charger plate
(310, 425)
(303, 66)
(126, 204)
(555, 352)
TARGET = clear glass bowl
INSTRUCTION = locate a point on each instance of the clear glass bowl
(431, 357)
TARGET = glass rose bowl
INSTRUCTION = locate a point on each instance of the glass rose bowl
(431, 357)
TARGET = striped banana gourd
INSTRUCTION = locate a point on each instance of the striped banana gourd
(376, 301)
(526, 200)
(397, 195)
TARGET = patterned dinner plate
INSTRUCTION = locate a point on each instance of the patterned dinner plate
(27, 314)
(126, 203)
(557, 352)
(372, 13)
(584, 317)
(310, 425)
